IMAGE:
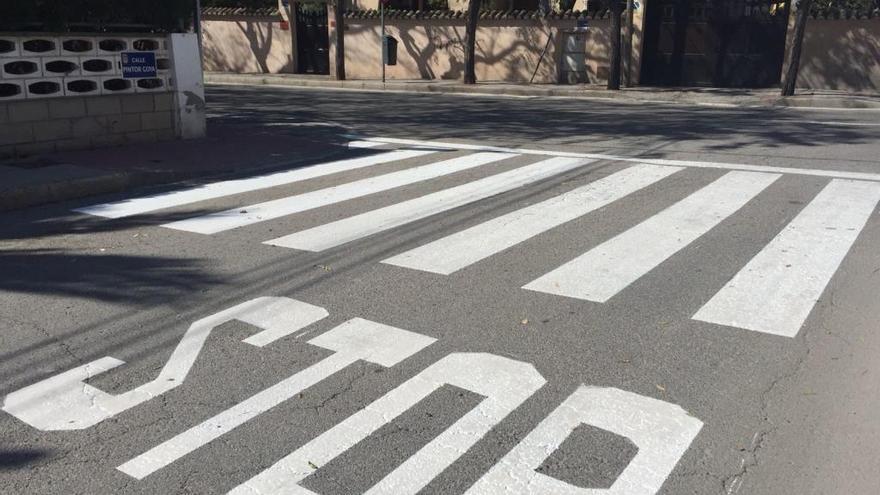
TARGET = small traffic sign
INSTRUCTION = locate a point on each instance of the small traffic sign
(138, 64)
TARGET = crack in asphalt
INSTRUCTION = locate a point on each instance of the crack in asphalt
(45, 333)
(731, 484)
(363, 372)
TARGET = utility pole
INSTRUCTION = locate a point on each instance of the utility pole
(339, 13)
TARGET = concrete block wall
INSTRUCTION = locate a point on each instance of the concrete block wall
(138, 111)
(60, 124)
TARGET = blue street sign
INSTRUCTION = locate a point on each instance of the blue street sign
(138, 64)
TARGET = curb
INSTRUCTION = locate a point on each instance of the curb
(53, 192)
(117, 182)
(578, 92)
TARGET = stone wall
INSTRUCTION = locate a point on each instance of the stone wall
(247, 44)
(507, 50)
(431, 44)
(840, 54)
(58, 124)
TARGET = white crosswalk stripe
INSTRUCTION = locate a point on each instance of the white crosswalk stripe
(610, 267)
(146, 204)
(248, 215)
(776, 291)
(343, 231)
(454, 252)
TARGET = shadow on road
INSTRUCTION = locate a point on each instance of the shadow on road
(106, 277)
(20, 458)
(521, 121)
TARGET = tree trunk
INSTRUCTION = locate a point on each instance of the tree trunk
(794, 59)
(614, 70)
(627, 45)
(473, 15)
(340, 39)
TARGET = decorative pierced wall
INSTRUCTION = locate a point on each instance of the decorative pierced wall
(57, 66)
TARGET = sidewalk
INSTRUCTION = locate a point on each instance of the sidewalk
(694, 96)
(228, 150)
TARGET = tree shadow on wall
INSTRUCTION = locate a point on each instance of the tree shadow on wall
(260, 41)
(421, 56)
(510, 61)
(259, 35)
(514, 59)
(828, 63)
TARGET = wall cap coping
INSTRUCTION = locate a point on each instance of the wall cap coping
(210, 12)
(240, 11)
(827, 14)
(835, 14)
(484, 14)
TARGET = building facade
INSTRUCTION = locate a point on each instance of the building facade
(712, 43)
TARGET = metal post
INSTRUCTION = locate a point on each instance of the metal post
(197, 21)
(382, 40)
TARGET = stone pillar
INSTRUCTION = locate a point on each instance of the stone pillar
(331, 32)
(189, 86)
(364, 5)
(458, 5)
(638, 41)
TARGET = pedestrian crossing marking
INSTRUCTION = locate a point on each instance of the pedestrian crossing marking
(776, 291)
(146, 204)
(440, 145)
(251, 214)
(364, 144)
(600, 273)
(356, 227)
(456, 251)
(610, 267)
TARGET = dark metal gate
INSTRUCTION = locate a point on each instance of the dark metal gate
(312, 39)
(721, 43)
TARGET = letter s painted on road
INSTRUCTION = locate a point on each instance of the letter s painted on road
(66, 402)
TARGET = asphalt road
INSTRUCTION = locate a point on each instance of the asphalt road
(583, 294)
